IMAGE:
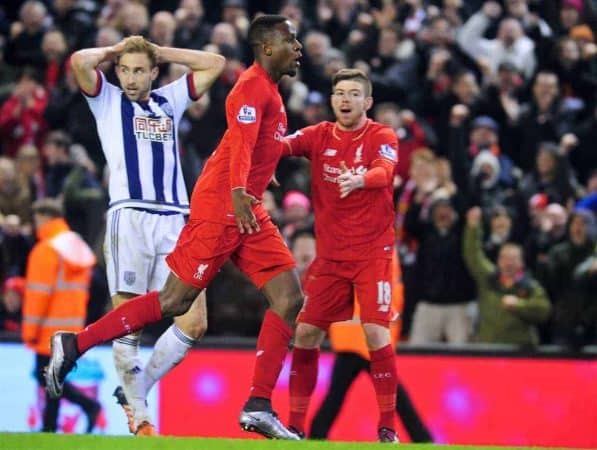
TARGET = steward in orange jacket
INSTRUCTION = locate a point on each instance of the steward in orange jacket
(58, 278)
(56, 293)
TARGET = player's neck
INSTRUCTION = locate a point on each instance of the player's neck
(273, 75)
(360, 124)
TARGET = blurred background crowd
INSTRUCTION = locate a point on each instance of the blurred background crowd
(494, 103)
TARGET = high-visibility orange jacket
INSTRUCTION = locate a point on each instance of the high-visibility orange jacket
(57, 289)
(349, 336)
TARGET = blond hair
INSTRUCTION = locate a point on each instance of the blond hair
(138, 44)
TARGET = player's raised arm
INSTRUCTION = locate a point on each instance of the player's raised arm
(84, 63)
(206, 66)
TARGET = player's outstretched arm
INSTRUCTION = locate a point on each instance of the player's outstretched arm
(206, 66)
(85, 61)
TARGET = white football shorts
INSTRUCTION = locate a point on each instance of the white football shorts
(136, 245)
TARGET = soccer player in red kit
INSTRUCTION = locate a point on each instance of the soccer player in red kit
(352, 166)
(226, 221)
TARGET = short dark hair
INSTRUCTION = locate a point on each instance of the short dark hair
(49, 207)
(262, 27)
(354, 75)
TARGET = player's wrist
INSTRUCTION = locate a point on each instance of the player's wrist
(359, 181)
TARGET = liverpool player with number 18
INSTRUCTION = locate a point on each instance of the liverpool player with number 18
(352, 167)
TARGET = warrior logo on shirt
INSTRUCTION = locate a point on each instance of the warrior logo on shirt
(157, 129)
(247, 114)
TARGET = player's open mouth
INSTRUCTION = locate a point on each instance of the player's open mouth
(345, 110)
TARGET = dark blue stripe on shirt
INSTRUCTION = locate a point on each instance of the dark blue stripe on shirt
(157, 153)
(160, 101)
(131, 155)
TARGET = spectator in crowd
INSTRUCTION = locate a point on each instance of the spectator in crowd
(314, 110)
(541, 119)
(21, 116)
(557, 275)
(134, 19)
(302, 244)
(511, 302)
(551, 176)
(419, 188)
(511, 44)
(296, 213)
(445, 288)
(29, 172)
(585, 277)
(11, 305)
(24, 44)
(583, 157)
(548, 228)
(72, 180)
(191, 29)
(14, 198)
(500, 232)
(15, 244)
(76, 21)
(54, 48)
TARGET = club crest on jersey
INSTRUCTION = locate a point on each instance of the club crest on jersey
(358, 156)
(388, 152)
(129, 277)
(247, 114)
(201, 268)
(158, 129)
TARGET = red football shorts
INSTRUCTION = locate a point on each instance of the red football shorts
(203, 247)
(330, 287)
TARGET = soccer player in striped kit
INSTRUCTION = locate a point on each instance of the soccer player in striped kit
(137, 127)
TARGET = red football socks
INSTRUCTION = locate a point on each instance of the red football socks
(272, 346)
(303, 377)
(385, 382)
(129, 317)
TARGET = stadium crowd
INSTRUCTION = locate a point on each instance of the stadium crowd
(494, 104)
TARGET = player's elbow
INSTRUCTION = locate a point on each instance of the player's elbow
(218, 63)
(77, 60)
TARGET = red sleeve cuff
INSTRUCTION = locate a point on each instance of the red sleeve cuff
(191, 86)
(98, 85)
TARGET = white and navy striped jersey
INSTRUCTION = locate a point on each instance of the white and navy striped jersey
(139, 142)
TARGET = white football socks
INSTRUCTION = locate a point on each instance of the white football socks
(169, 350)
(130, 370)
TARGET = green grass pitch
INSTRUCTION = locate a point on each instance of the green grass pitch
(46, 441)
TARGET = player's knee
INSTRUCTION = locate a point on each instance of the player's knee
(172, 304)
(308, 336)
(378, 336)
(291, 306)
(196, 329)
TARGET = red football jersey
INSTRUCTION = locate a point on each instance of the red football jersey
(248, 153)
(361, 225)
